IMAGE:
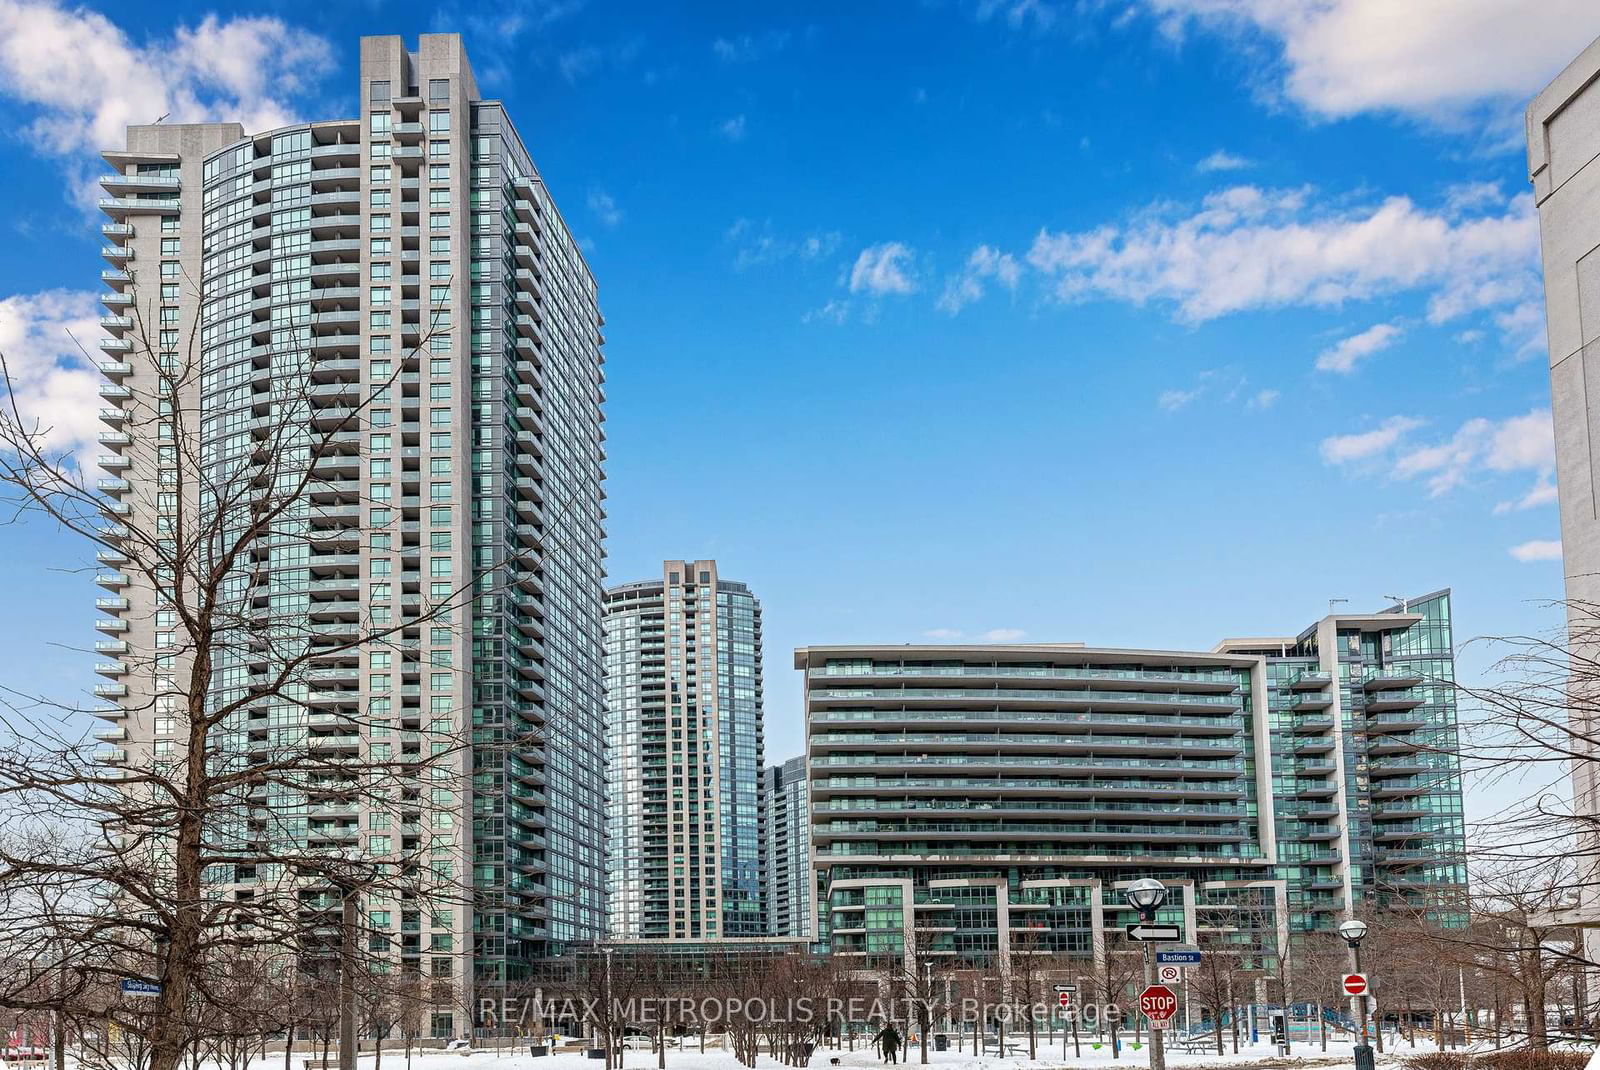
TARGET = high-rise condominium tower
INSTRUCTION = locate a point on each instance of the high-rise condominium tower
(978, 801)
(684, 806)
(788, 870)
(402, 274)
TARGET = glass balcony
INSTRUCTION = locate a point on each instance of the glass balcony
(1390, 678)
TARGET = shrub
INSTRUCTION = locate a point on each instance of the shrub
(1500, 1060)
(1533, 1060)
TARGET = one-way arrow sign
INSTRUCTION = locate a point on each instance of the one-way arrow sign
(1142, 931)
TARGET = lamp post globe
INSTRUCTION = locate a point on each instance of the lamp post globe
(1146, 895)
(1352, 931)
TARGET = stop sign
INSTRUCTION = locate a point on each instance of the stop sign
(1355, 984)
(1158, 1003)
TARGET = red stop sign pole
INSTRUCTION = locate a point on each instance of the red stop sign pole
(1158, 1003)
(1355, 984)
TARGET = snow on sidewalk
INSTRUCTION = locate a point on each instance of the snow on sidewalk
(864, 1058)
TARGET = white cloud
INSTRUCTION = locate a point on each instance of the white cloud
(747, 48)
(1537, 550)
(732, 129)
(1343, 449)
(942, 633)
(1223, 160)
(1542, 493)
(883, 269)
(88, 81)
(53, 382)
(577, 62)
(834, 312)
(1002, 635)
(1248, 248)
(1173, 400)
(985, 263)
(1018, 14)
(1439, 60)
(1225, 384)
(1343, 356)
(756, 243)
(1523, 443)
(604, 208)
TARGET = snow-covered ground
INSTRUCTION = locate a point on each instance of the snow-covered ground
(1262, 1055)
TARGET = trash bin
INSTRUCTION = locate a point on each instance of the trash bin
(941, 1042)
(597, 1053)
(536, 1050)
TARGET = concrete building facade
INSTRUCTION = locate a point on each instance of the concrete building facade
(985, 801)
(787, 806)
(403, 274)
(1563, 125)
(684, 731)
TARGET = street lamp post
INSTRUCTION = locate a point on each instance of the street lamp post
(1353, 930)
(1146, 896)
(927, 1005)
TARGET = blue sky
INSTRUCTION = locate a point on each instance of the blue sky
(1138, 323)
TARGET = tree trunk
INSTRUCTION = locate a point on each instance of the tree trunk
(1322, 1024)
(1233, 1016)
(177, 955)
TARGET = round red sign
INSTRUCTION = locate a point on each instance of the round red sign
(1355, 984)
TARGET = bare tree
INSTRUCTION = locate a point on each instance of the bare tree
(1114, 978)
(1210, 985)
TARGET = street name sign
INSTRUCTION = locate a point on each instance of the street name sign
(1179, 957)
(133, 986)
